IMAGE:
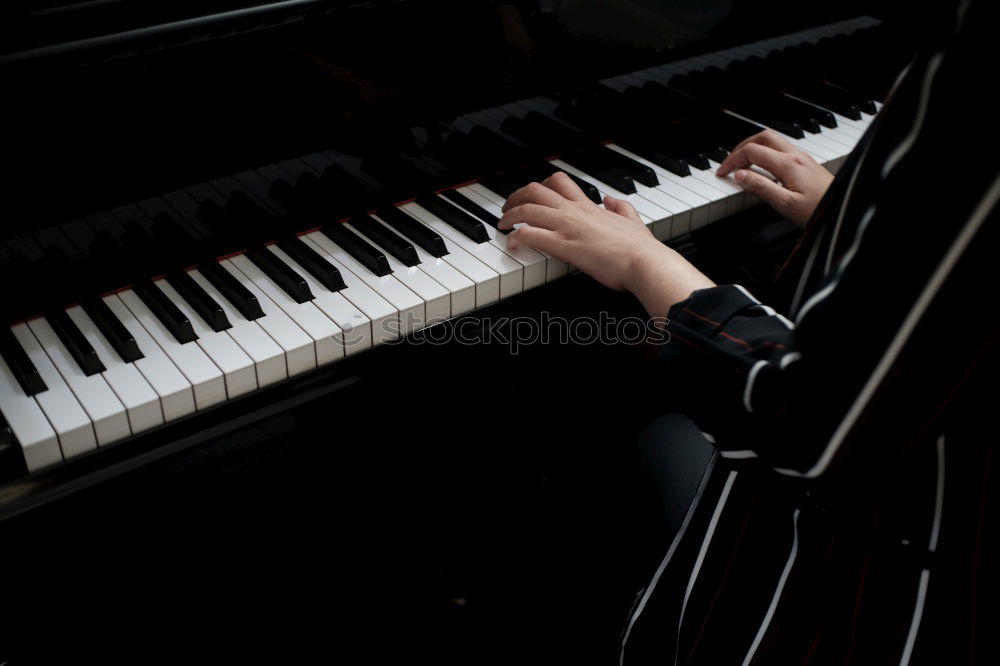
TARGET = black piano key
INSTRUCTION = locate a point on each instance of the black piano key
(237, 294)
(589, 189)
(600, 170)
(636, 170)
(112, 329)
(467, 225)
(199, 299)
(468, 204)
(354, 245)
(393, 243)
(75, 342)
(283, 275)
(22, 367)
(425, 237)
(643, 148)
(163, 309)
(326, 273)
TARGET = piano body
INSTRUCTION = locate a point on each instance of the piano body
(232, 234)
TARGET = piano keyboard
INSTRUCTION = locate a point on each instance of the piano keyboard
(236, 284)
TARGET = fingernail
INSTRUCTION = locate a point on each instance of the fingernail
(518, 225)
(740, 175)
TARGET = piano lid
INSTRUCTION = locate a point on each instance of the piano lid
(117, 100)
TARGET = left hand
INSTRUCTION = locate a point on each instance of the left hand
(610, 244)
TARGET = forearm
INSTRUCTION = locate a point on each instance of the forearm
(659, 277)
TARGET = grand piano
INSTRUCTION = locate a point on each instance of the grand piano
(242, 244)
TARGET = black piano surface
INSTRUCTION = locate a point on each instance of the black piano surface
(414, 503)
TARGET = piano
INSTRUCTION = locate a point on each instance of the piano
(221, 214)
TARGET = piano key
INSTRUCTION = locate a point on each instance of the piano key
(105, 411)
(299, 348)
(642, 205)
(174, 390)
(492, 204)
(268, 357)
(485, 279)
(592, 167)
(206, 379)
(38, 441)
(461, 287)
(391, 243)
(233, 290)
(701, 205)
(291, 282)
(327, 336)
(383, 316)
(510, 270)
(198, 299)
(534, 262)
(406, 226)
(142, 404)
(172, 319)
(358, 248)
(409, 307)
(19, 365)
(61, 408)
(117, 335)
(311, 264)
(437, 299)
(81, 351)
(461, 221)
(354, 325)
(237, 368)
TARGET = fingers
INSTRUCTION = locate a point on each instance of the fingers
(535, 237)
(767, 158)
(768, 138)
(621, 207)
(564, 185)
(534, 214)
(779, 198)
(534, 193)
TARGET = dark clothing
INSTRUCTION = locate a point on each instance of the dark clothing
(851, 516)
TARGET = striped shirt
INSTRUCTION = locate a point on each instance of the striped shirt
(850, 513)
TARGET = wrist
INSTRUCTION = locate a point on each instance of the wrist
(660, 277)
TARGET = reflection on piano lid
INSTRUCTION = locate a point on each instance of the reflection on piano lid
(134, 320)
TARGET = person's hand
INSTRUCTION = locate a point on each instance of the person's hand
(801, 181)
(610, 244)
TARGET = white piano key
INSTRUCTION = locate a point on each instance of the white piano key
(63, 410)
(38, 441)
(460, 286)
(437, 299)
(554, 268)
(299, 348)
(173, 388)
(735, 199)
(327, 336)
(409, 306)
(206, 379)
(268, 356)
(700, 205)
(237, 368)
(142, 404)
(105, 410)
(510, 270)
(534, 262)
(642, 205)
(355, 327)
(380, 312)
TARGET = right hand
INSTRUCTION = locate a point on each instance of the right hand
(801, 180)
